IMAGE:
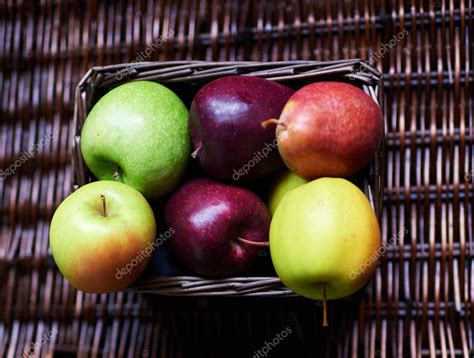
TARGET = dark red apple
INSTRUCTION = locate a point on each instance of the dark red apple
(219, 228)
(328, 129)
(224, 122)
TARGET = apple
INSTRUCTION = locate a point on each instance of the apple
(283, 183)
(328, 129)
(102, 236)
(219, 228)
(325, 239)
(225, 124)
(138, 134)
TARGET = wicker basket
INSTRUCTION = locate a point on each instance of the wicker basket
(185, 78)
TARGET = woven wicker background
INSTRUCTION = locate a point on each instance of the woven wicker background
(421, 301)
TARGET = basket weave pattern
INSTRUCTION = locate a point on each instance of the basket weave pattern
(420, 302)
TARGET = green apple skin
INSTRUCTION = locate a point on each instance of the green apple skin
(90, 248)
(283, 183)
(322, 234)
(138, 134)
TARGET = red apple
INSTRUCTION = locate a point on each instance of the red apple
(224, 122)
(219, 228)
(328, 129)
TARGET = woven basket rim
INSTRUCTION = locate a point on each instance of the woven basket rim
(223, 63)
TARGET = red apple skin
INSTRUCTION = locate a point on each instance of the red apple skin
(102, 276)
(329, 129)
(208, 217)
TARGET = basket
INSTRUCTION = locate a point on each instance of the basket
(185, 78)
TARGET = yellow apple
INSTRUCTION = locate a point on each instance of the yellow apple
(324, 236)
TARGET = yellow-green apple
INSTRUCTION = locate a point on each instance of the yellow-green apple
(283, 182)
(324, 236)
(328, 129)
(102, 236)
(138, 134)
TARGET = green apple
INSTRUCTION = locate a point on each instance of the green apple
(102, 236)
(138, 134)
(324, 236)
(283, 183)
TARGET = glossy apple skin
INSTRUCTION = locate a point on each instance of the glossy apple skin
(225, 118)
(138, 134)
(208, 217)
(325, 232)
(90, 249)
(329, 129)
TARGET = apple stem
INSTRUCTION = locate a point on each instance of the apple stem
(266, 123)
(196, 151)
(255, 243)
(325, 308)
(102, 197)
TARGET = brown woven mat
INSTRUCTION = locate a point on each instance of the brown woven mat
(421, 301)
